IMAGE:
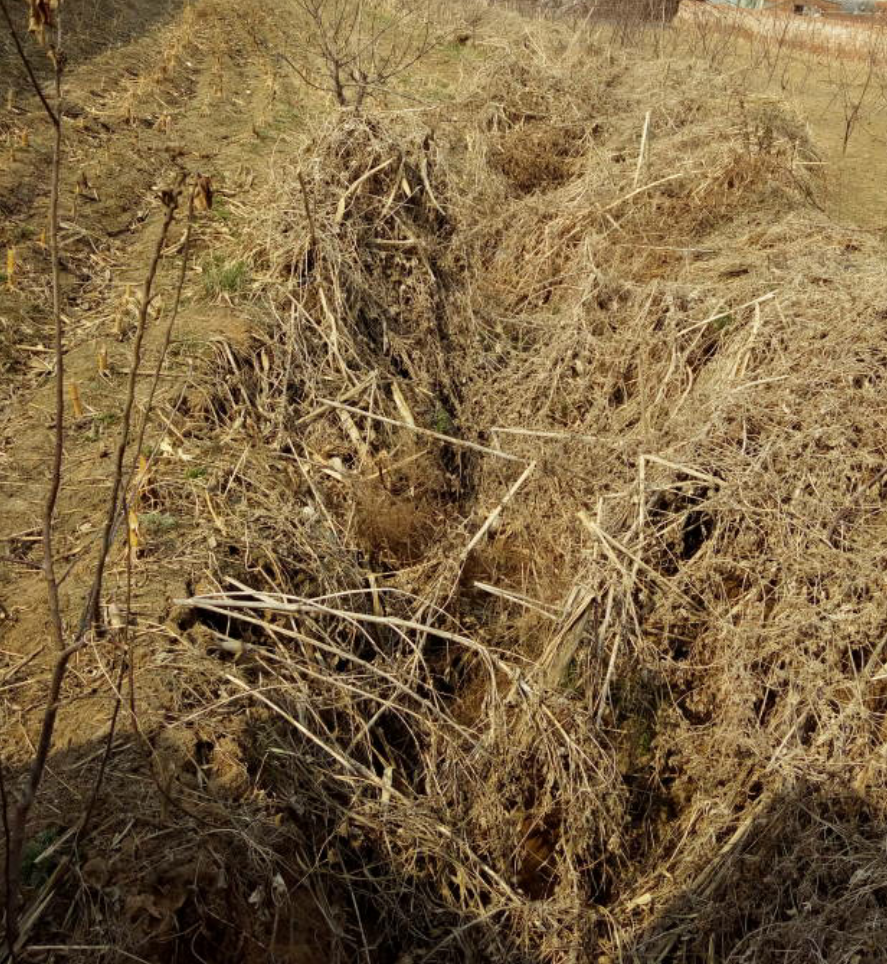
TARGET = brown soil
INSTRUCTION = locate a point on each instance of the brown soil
(143, 79)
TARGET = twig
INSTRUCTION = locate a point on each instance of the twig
(229, 607)
(474, 446)
(720, 314)
(611, 665)
(647, 187)
(643, 150)
(308, 212)
(609, 543)
(127, 663)
(494, 515)
(540, 433)
(686, 469)
(562, 648)
(170, 200)
(15, 823)
(167, 334)
(21, 665)
(54, 115)
(516, 597)
(352, 188)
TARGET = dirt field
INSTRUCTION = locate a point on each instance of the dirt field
(856, 170)
(500, 574)
(835, 82)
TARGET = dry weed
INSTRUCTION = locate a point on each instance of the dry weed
(547, 517)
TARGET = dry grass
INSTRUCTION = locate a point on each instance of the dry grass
(606, 711)
(543, 524)
(827, 38)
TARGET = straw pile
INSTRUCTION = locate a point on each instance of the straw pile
(556, 560)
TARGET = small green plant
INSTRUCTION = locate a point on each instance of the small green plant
(196, 472)
(224, 277)
(645, 739)
(443, 422)
(220, 210)
(34, 874)
(100, 423)
(722, 322)
(158, 522)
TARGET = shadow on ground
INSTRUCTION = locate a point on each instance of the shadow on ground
(185, 875)
(805, 882)
(172, 867)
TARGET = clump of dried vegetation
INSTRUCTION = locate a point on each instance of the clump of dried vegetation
(562, 375)
(545, 532)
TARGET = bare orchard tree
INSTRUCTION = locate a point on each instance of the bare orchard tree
(18, 797)
(354, 48)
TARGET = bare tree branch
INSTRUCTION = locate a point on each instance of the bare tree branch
(16, 811)
(352, 51)
(38, 89)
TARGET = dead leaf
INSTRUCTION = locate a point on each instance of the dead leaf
(203, 198)
(40, 17)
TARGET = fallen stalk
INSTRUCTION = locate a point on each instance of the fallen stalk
(449, 439)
